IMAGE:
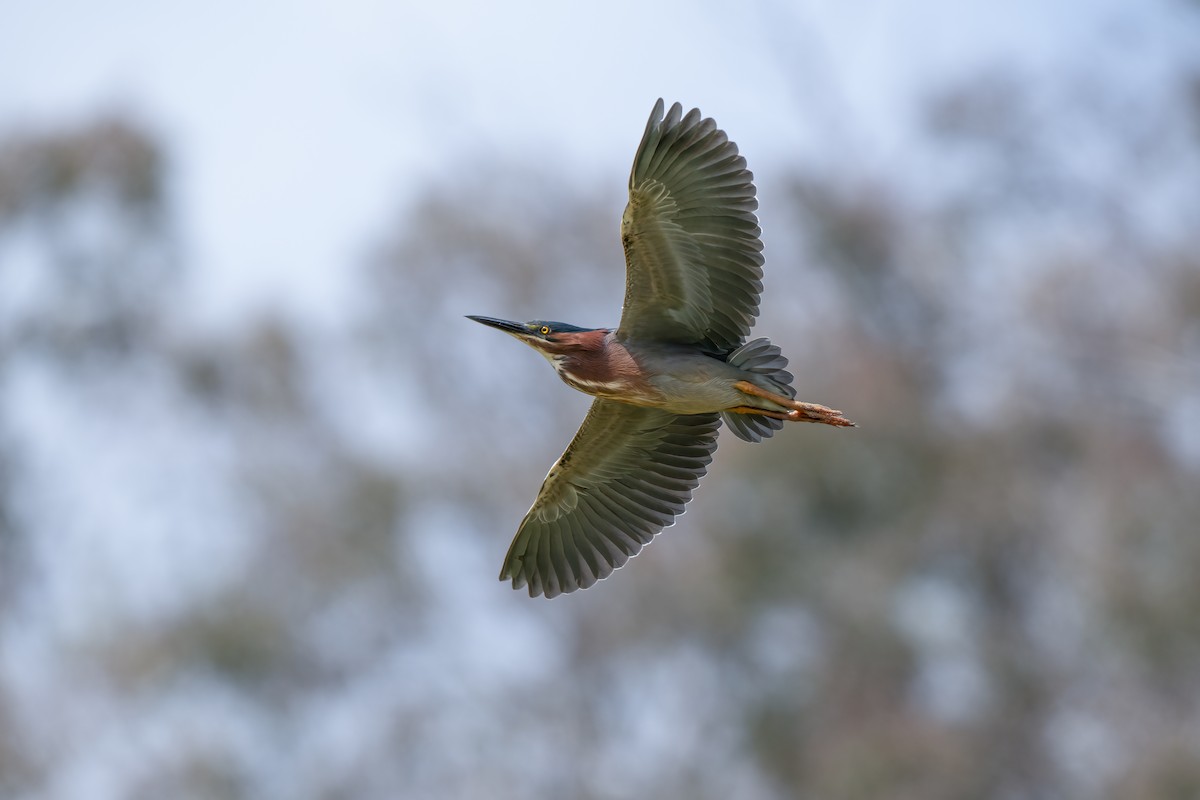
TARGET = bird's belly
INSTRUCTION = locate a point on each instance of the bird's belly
(696, 393)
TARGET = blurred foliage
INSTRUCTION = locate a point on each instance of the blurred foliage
(84, 221)
(988, 590)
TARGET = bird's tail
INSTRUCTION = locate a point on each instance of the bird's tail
(767, 367)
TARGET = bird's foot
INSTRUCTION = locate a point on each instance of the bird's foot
(811, 412)
(799, 411)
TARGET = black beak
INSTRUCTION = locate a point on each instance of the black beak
(514, 328)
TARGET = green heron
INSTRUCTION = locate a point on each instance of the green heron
(673, 370)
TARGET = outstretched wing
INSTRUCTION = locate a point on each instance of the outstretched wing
(626, 475)
(692, 251)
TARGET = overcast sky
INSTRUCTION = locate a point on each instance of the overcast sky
(297, 129)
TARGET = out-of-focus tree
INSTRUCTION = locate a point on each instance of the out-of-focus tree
(81, 255)
(1024, 349)
(224, 446)
(83, 221)
(82, 261)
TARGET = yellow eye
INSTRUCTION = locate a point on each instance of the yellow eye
(545, 329)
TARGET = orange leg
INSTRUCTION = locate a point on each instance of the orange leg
(800, 412)
(793, 416)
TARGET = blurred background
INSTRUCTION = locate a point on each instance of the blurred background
(257, 473)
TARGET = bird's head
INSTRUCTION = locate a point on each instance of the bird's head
(549, 338)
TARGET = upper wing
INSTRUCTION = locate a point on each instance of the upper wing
(625, 476)
(692, 253)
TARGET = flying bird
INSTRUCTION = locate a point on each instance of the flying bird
(676, 367)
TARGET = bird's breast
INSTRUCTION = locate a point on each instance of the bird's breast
(611, 374)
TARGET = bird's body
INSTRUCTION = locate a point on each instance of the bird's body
(673, 377)
(676, 367)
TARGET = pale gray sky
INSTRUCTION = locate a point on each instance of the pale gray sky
(296, 129)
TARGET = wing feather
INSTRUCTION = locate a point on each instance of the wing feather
(627, 474)
(692, 248)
